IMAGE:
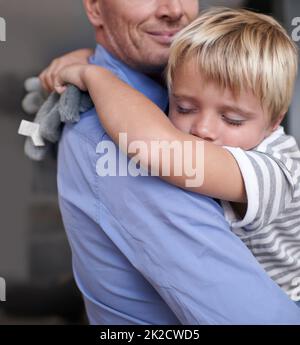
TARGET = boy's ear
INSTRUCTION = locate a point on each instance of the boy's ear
(93, 11)
(278, 122)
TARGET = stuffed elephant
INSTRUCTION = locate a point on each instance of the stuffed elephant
(52, 111)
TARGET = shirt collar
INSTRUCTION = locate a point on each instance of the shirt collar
(150, 88)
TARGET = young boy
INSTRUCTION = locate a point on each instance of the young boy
(231, 75)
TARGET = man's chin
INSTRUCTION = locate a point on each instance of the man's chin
(153, 66)
(160, 59)
(149, 57)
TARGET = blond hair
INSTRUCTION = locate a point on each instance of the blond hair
(240, 50)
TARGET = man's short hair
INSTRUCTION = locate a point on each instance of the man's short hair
(240, 50)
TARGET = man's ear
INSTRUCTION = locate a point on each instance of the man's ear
(278, 122)
(93, 11)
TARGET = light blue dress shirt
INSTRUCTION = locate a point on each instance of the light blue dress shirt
(145, 252)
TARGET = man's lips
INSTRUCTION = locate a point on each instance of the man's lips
(163, 37)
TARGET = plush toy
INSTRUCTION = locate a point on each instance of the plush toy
(51, 112)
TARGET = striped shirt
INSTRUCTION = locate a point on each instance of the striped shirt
(271, 225)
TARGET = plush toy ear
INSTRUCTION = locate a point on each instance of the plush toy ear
(93, 11)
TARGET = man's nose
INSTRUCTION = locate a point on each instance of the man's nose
(205, 128)
(171, 10)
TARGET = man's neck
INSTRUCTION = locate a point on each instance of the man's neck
(156, 75)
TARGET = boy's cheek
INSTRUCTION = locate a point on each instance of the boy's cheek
(182, 124)
(246, 141)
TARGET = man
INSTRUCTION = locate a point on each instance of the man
(133, 262)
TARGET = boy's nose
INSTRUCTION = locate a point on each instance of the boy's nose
(170, 10)
(205, 128)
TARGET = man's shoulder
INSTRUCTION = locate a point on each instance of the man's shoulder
(88, 128)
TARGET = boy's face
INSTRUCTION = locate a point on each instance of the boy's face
(203, 109)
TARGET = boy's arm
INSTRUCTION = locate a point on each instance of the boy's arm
(121, 109)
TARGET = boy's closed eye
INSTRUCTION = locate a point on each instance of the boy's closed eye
(185, 110)
(232, 121)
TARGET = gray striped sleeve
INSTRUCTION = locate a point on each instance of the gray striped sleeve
(268, 190)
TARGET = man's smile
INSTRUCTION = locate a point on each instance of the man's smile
(163, 37)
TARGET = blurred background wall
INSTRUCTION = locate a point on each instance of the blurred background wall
(37, 31)
(34, 254)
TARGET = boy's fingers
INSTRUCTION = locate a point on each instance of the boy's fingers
(60, 89)
(53, 74)
(48, 76)
(59, 84)
(43, 81)
(46, 81)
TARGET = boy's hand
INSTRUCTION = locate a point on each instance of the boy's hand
(73, 74)
(48, 76)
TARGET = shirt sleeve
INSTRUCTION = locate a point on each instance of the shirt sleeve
(268, 188)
